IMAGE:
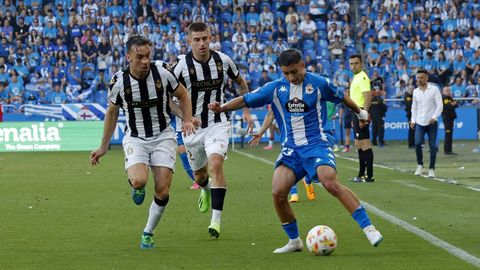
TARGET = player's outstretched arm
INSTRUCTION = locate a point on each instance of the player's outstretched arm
(109, 125)
(188, 124)
(267, 122)
(232, 105)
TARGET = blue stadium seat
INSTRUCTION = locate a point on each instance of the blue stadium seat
(265, 35)
(279, 14)
(226, 16)
(100, 97)
(311, 53)
(226, 44)
(321, 25)
(308, 45)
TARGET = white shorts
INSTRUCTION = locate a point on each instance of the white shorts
(211, 140)
(159, 151)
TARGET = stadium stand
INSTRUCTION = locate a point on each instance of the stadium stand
(42, 40)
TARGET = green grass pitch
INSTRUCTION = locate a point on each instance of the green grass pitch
(57, 212)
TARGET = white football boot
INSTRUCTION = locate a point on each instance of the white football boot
(373, 235)
(292, 246)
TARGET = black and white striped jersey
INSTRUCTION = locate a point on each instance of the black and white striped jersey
(145, 102)
(205, 83)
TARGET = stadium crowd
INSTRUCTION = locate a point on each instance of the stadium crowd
(66, 51)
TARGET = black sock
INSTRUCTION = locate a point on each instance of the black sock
(161, 202)
(369, 160)
(361, 162)
(218, 196)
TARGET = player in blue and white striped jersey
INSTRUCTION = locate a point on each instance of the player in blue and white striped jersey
(299, 105)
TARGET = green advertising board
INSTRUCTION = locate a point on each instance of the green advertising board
(50, 136)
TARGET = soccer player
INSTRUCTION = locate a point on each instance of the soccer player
(307, 182)
(427, 106)
(299, 105)
(360, 94)
(204, 72)
(142, 90)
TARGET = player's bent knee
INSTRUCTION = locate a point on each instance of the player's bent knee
(138, 182)
(279, 196)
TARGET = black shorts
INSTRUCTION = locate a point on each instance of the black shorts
(360, 133)
(347, 119)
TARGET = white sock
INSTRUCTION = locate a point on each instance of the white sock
(207, 187)
(270, 143)
(216, 216)
(154, 215)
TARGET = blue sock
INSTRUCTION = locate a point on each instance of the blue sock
(361, 217)
(186, 165)
(291, 229)
(293, 190)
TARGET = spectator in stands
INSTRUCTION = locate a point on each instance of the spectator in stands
(463, 24)
(373, 58)
(144, 9)
(459, 65)
(280, 29)
(264, 79)
(240, 49)
(318, 10)
(238, 16)
(458, 89)
(333, 31)
(20, 30)
(294, 38)
(15, 88)
(4, 76)
(307, 27)
(104, 52)
(473, 65)
(442, 68)
(89, 52)
(58, 96)
(4, 97)
(291, 13)
(21, 69)
(252, 18)
(279, 46)
(337, 48)
(266, 19)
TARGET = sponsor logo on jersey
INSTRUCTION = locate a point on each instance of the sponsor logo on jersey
(296, 105)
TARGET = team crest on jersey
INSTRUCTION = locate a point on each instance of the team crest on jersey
(296, 105)
(158, 85)
(283, 89)
(219, 67)
(309, 88)
(128, 90)
(113, 80)
(192, 71)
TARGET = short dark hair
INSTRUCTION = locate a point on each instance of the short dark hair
(356, 56)
(137, 40)
(289, 57)
(197, 27)
(421, 70)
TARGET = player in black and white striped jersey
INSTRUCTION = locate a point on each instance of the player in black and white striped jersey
(143, 91)
(204, 73)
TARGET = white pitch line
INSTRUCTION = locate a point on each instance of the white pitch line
(424, 176)
(455, 251)
(410, 185)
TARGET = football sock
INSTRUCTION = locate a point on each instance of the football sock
(361, 217)
(155, 213)
(293, 190)
(218, 196)
(270, 142)
(186, 165)
(291, 229)
(368, 155)
(361, 162)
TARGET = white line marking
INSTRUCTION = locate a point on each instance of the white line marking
(455, 251)
(424, 176)
(410, 185)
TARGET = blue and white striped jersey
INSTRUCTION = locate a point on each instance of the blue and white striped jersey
(300, 110)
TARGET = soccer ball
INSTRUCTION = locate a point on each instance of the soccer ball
(321, 240)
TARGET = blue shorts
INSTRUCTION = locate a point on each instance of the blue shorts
(179, 138)
(305, 160)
